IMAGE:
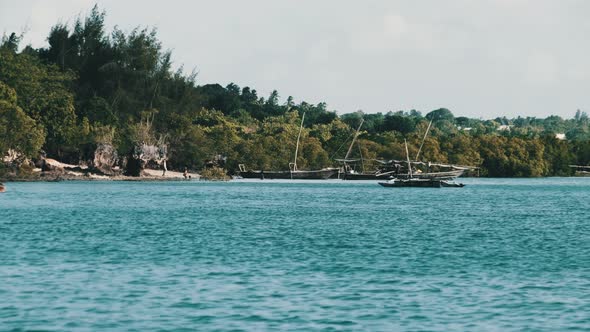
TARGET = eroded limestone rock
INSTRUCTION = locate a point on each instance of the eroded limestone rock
(142, 155)
(105, 159)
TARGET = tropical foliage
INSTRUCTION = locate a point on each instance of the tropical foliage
(90, 87)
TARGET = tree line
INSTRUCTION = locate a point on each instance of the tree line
(89, 87)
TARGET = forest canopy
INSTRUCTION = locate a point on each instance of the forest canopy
(90, 86)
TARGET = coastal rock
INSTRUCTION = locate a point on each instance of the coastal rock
(142, 155)
(51, 165)
(51, 170)
(39, 161)
(15, 160)
(13, 157)
(105, 159)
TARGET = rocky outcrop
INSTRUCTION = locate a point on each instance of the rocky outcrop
(13, 157)
(105, 160)
(144, 155)
(51, 165)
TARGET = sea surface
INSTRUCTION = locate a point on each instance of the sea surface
(496, 255)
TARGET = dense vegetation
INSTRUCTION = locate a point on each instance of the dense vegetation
(89, 87)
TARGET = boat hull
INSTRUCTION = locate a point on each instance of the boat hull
(420, 183)
(450, 175)
(363, 176)
(321, 174)
(412, 183)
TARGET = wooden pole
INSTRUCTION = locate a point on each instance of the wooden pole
(362, 160)
(353, 140)
(408, 156)
(297, 146)
(424, 139)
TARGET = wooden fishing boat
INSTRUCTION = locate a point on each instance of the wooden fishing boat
(421, 183)
(2, 188)
(293, 173)
(390, 169)
(409, 180)
(448, 175)
(321, 174)
(581, 170)
(348, 172)
(353, 175)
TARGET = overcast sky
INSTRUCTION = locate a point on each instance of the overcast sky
(479, 58)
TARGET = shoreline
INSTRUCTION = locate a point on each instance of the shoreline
(117, 178)
(61, 172)
(57, 171)
(150, 178)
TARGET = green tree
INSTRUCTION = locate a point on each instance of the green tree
(45, 96)
(18, 131)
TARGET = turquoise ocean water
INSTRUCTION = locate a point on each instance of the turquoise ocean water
(497, 255)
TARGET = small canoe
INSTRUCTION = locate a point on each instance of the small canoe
(321, 174)
(2, 188)
(420, 183)
(413, 182)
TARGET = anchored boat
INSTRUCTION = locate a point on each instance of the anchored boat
(421, 183)
(293, 173)
(409, 180)
(453, 172)
(390, 169)
(581, 170)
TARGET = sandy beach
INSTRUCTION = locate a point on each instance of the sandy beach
(68, 172)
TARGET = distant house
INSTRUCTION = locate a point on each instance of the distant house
(504, 128)
(464, 128)
(560, 137)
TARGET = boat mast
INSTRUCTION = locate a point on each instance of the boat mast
(297, 146)
(424, 139)
(408, 156)
(353, 140)
(362, 160)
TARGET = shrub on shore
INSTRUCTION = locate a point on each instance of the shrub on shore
(214, 174)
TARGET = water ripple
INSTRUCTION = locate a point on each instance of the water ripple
(497, 255)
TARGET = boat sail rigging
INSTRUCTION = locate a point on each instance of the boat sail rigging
(394, 168)
(293, 166)
(411, 181)
(293, 173)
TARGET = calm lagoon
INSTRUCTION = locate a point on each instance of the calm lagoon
(498, 254)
